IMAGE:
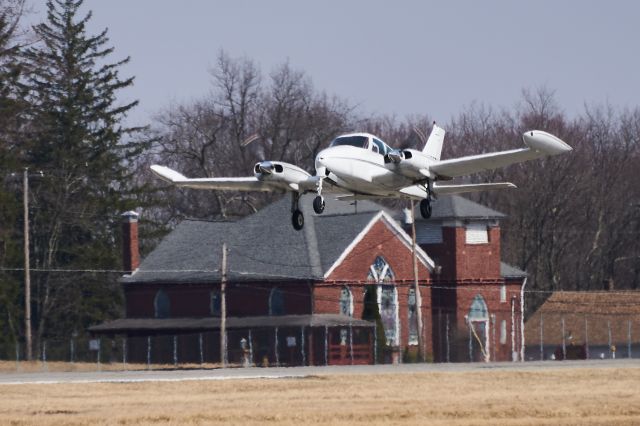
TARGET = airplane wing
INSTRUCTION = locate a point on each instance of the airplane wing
(474, 187)
(540, 144)
(250, 183)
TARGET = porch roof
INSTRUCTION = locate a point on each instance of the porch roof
(185, 325)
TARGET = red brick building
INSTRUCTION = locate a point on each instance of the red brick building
(298, 297)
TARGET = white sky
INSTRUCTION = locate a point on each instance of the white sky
(399, 57)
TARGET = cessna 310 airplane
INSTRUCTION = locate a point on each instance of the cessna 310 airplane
(361, 166)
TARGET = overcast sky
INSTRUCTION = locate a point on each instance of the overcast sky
(399, 57)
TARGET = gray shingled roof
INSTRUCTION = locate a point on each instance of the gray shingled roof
(508, 271)
(261, 246)
(457, 207)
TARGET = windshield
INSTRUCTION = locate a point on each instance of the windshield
(357, 141)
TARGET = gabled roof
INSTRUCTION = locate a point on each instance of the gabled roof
(457, 207)
(262, 246)
(587, 317)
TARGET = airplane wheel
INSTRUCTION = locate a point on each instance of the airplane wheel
(425, 208)
(318, 204)
(297, 219)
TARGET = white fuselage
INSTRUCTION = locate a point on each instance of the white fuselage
(363, 170)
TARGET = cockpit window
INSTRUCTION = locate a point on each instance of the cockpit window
(357, 141)
(382, 147)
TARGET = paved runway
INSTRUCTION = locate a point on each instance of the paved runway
(297, 372)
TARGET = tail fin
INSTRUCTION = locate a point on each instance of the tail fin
(433, 147)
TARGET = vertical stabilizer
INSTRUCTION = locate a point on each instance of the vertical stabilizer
(433, 147)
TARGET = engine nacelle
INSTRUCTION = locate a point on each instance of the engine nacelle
(279, 171)
(410, 163)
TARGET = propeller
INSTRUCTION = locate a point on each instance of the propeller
(258, 150)
(398, 154)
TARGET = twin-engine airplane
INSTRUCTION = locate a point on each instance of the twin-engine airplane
(361, 166)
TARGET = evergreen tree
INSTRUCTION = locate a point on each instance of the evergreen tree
(12, 107)
(86, 151)
(371, 312)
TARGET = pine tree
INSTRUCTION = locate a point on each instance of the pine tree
(86, 151)
(12, 107)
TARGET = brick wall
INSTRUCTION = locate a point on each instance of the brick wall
(354, 269)
(194, 300)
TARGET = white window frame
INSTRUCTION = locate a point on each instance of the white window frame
(503, 332)
(476, 233)
(503, 293)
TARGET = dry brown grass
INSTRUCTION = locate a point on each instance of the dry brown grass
(579, 396)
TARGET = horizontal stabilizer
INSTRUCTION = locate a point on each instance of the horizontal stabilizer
(472, 187)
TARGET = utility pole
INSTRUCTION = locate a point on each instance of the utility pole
(27, 273)
(223, 308)
(416, 287)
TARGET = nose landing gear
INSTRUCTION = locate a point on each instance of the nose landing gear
(318, 202)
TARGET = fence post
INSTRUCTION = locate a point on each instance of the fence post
(17, 356)
(375, 343)
(326, 345)
(629, 338)
(304, 357)
(564, 343)
(277, 352)
(98, 353)
(609, 333)
(446, 337)
(469, 325)
(493, 337)
(201, 350)
(71, 351)
(44, 355)
(250, 349)
(175, 350)
(124, 353)
(541, 338)
(351, 342)
(586, 338)
(148, 352)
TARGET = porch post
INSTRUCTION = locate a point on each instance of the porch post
(326, 345)
(304, 357)
(250, 348)
(351, 342)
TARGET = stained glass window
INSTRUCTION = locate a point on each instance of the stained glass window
(478, 311)
(412, 317)
(346, 302)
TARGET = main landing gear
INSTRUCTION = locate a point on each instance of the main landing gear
(297, 218)
(425, 205)
(425, 208)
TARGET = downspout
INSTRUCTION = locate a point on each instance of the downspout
(524, 283)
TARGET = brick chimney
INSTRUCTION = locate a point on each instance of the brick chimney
(130, 252)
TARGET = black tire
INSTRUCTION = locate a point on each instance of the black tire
(297, 220)
(318, 205)
(425, 208)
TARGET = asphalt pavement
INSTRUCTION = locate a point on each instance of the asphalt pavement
(297, 372)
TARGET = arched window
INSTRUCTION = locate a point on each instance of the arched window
(478, 311)
(161, 305)
(346, 302)
(412, 317)
(276, 302)
(215, 303)
(380, 272)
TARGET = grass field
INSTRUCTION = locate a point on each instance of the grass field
(575, 396)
